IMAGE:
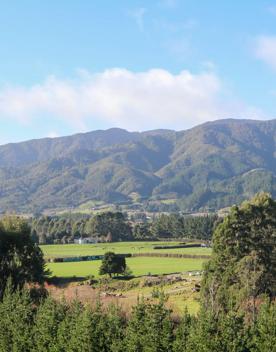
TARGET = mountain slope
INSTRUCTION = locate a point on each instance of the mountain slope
(212, 165)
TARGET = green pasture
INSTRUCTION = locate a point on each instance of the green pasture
(138, 265)
(67, 250)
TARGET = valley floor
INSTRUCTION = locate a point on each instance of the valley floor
(73, 279)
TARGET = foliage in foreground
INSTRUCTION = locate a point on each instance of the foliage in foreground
(243, 264)
(21, 259)
(58, 326)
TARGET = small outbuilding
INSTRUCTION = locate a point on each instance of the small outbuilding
(85, 240)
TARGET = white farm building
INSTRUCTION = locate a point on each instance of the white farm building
(85, 240)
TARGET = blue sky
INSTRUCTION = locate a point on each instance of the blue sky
(72, 66)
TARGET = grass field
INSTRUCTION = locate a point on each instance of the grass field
(179, 295)
(67, 250)
(138, 265)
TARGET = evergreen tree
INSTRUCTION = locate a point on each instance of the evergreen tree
(112, 264)
(233, 333)
(20, 258)
(150, 329)
(264, 336)
(204, 334)
(183, 333)
(115, 331)
(49, 316)
(136, 334)
(66, 328)
(243, 263)
(16, 319)
(80, 339)
(159, 328)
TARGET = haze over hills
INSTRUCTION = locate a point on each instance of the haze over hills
(212, 165)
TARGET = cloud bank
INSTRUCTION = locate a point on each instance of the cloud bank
(122, 98)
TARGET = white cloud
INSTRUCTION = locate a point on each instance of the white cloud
(266, 50)
(118, 97)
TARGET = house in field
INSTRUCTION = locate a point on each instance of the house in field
(85, 240)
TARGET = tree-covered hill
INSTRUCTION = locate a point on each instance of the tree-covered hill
(212, 165)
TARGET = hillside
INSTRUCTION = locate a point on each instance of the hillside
(212, 165)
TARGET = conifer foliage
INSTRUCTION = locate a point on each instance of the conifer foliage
(21, 259)
(53, 326)
(243, 265)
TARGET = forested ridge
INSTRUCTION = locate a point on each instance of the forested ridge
(210, 166)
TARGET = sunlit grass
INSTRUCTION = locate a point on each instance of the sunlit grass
(138, 265)
(67, 250)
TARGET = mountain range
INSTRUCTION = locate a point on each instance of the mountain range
(212, 166)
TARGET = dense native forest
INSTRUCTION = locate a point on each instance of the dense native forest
(115, 226)
(238, 310)
(210, 166)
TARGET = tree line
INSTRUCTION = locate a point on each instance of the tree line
(50, 325)
(238, 307)
(115, 226)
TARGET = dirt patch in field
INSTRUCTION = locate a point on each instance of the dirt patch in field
(179, 294)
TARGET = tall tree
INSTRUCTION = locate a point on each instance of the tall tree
(264, 332)
(243, 263)
(183, 333)
(50, 315)
(150, 329)
(20, 258)
(16, 319)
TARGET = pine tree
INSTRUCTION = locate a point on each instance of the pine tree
(49, 315)
(115, 332)
(183, 333)
(204, 335)
(233, 334)
(265, 329)
(159, 328)
(67, 326)
(243, 263)
(20, 258)
(80, 332)
(150, 329)
(16, 318)
(136, 334)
